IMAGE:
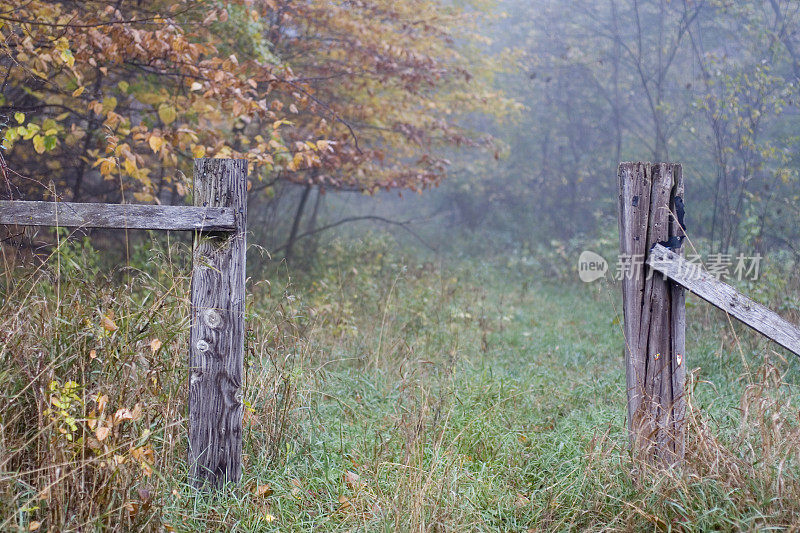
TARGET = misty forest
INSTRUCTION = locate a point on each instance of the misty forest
(411, 265)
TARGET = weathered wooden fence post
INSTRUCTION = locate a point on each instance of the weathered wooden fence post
(216, 350)
(654, 313)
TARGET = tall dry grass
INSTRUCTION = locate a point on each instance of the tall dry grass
(94, 384)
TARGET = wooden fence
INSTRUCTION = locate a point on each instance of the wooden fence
(650, 216)
(654, 305)
(216, 340)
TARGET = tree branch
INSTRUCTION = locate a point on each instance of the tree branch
(403, 225)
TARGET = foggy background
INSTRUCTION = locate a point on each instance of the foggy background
(709, 84)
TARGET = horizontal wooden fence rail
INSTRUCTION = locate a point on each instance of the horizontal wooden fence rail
(709, 288)
(129, 216)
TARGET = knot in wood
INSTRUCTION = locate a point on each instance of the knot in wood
(212, 318)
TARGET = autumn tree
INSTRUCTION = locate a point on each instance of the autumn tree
(106, 98)
(112, 100)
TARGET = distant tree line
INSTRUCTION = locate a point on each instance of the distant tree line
(709, 83)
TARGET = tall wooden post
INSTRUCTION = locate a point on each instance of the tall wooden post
(654, 312)
(216, 351)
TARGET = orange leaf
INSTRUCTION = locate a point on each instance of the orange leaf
(263, 490)
(102, 433)
(121, 415)
(108, 323)
(155, 344)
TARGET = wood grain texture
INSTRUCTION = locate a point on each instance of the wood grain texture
(653, 311)
(216, 352)
(130, 216)
(678, 332)
(634, 207)
(722, 295)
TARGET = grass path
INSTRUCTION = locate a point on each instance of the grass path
(474, 404)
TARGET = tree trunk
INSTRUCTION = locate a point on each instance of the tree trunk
(312, 224)
(296, 224)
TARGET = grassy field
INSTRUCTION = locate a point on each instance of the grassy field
(383, 393)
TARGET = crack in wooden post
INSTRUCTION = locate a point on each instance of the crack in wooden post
(216, 344)
(654, 313)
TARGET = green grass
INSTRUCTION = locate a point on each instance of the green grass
(385, 394)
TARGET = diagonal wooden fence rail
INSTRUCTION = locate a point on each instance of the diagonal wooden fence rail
(216, 339)
(725, 297)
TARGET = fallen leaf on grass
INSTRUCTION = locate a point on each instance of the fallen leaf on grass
(296, 487)
(522, 500)
(155, 344)
(263, 490)
(108, 323)
(344, 503)
(353, 480)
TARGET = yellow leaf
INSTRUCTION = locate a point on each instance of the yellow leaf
(68, 58)
(156, 143)
(38, 144)
(167, 114)
(108, 323)
(106, 167)
(130, 166)
(102, 433)
(109, 104)
(323, 145)
(79, 91)
(198, 151)
(297, 162)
